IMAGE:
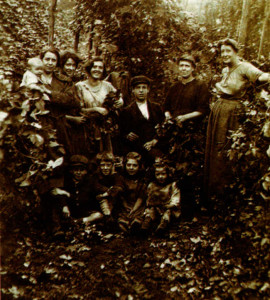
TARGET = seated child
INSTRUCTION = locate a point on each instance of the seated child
(107, 186)
(32, 77)
(80, 202)
(163, 200)
(133, 203)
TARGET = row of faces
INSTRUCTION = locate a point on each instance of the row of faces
(132, 168)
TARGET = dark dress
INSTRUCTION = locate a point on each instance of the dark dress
(189, 143)
(134, 189)
(62, 101)
(186, 98)
(223, 119)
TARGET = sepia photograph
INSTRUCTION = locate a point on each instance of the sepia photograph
(135, 149)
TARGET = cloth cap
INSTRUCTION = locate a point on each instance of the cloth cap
(141, 79)
(188, 57)
(79, 160)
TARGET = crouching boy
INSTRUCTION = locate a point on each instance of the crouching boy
(163, 200)
(107, 187)
(80, 202)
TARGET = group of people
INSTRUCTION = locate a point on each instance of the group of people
(95, 124)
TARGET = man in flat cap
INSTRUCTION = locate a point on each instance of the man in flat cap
(138, 121)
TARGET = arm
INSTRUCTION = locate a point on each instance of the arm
(189, 116)
(101, 110)
(201, 101)
(76, 119)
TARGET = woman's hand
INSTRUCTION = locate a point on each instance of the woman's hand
(149, 145)
(180, 119)
(76, 119)
(119, 103)
(132, 136)
(101, 110)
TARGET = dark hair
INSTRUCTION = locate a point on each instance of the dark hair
(228, 42)
(67, 55)
(162, 163)
(52, 50)
(89, 65)
(187, 57)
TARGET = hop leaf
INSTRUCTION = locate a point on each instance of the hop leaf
(53, 164)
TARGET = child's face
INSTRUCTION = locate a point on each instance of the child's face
(161, 175)
(37, 69)
(106, 167)
(78, 172)
(132, 166)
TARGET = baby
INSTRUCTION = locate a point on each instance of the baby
(32, 77)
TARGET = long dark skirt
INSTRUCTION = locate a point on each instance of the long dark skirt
(224, 118)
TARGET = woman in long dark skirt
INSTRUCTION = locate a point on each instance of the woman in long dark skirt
(237, 76)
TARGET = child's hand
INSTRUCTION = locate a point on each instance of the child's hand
(66, 211)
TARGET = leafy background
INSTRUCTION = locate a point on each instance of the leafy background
(224, 255)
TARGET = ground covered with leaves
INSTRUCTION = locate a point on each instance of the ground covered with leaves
(223, 256)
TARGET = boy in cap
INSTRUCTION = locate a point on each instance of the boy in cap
(138, 121)
(80, 202)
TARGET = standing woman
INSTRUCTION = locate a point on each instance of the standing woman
(62, 95)
(237, 76)
(69, 62)
(92, 93)
(62, 100)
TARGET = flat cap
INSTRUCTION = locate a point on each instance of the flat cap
(141, 79)
(79, 160)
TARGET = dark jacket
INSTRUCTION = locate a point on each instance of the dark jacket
(132, 120)
(81, 201)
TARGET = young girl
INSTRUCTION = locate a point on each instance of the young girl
(133, 204)
(163, 200)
